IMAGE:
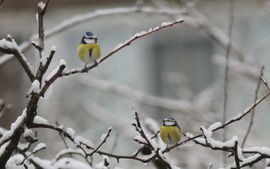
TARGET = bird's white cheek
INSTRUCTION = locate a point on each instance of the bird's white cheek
(89, 41)
(169, 123)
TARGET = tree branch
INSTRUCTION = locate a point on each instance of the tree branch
(9, 46)
(123, 45)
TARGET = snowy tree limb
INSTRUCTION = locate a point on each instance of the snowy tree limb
(9, 46)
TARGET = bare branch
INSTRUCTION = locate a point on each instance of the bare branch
(253, 111)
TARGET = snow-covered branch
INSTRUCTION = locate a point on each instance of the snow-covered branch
(9, 46)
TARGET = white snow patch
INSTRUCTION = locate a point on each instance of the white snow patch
(102, 164)
(189, 135)
(67, 151)
(163, 24)
(53, 48)
(40, 120)
(262, 150)
(3, 148)
(39, 147)
(28, 133)
(15, 161)
(34, 87)
(81, 140)
(70, 132)
(9, 45)
(214, 126)
(41, 5)
(19, 120)
(54, 71)
(69, 163)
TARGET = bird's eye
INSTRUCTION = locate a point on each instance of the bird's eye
(89, 41)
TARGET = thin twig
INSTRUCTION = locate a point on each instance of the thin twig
(253, 111)
(101, 143)
(41, 8)
(226, 80)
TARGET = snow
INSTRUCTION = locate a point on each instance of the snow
(218, 144)
(23, 146)
(3, 148)
(34, 87)
(103, 164)
(262, 150)
(251, 158)
(53, 48)
(19, 120)
(189, 135)
(139, 138)
(163, 24)
(214, 126)
(67, 151)
(81, 140)
(9, 45)
(54, 71)
(39, 147)
(69, 163)
(70, 132)
(40, 120)
(15, 161)
(41, 5)
(28, 133)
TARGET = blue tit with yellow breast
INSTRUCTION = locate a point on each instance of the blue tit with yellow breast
(170, 131)
(89, 49)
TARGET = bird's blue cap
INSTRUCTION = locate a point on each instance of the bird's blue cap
(89, 35)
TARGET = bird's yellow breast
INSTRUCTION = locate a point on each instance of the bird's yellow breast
(89, 52)
(170, 134)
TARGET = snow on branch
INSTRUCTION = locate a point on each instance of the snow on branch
(138, 35)
(9, 46)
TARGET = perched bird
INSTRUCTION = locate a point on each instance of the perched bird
(170, 132)
(89, 50)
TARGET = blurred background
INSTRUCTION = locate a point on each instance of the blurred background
(178, 71)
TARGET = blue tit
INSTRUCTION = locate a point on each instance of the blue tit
(89, 50)
(170, 132)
